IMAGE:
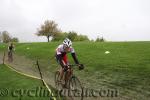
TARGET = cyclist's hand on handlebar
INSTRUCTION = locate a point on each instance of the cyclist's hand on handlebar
(65, 68)
(81, 66)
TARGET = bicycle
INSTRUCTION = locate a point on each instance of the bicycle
(74, 85)
(10, 56)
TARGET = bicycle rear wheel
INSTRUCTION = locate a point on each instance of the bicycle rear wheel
(76, 88)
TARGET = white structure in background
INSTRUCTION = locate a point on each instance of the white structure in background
(107, 52)
(28, 48)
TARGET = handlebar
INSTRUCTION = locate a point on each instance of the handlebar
(71, 65)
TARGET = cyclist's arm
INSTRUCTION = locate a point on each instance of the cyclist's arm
(74, 55)
(75, 58)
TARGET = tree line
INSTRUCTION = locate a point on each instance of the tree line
(6, 38)
(50, 30)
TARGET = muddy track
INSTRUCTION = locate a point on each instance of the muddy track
(1, 57)
(28, 66)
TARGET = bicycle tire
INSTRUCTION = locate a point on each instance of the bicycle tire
(76, 87)
(57, 80)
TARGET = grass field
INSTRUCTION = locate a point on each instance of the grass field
(14, 86)
(126, 68)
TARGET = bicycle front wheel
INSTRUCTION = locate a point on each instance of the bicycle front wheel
(57, 80)
(76, 88)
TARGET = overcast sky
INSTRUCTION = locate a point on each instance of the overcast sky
(115, 20)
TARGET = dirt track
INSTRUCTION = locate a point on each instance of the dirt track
(1, 58)
(28, 66)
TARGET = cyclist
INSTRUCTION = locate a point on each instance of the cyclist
(10, 51)
(61, 57)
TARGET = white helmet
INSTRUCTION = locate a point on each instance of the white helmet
(67, 42)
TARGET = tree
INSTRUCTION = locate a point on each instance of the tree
(5, 37)
(60, 36)
(100, 39)
(48, 29)
(81, 38)
(14, 39)
(72, 35)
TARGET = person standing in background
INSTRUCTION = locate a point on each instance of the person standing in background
(10, 52)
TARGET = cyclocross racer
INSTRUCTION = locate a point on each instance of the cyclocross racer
(61, 57)
(10, 51)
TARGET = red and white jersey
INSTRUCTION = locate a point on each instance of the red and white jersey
(60, 50)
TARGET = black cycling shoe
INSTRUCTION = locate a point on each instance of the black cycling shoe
(81, 67)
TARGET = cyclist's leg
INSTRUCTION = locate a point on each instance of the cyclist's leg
(67, 76)
(65, 60)
(9, 56)
(68, 72)
(61, 73)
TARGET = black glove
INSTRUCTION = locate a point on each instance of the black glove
(65, 68)
(81, 66)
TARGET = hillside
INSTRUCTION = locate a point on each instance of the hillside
(126, 68)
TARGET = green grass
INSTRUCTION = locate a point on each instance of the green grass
(14, 82)
(126, 68)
